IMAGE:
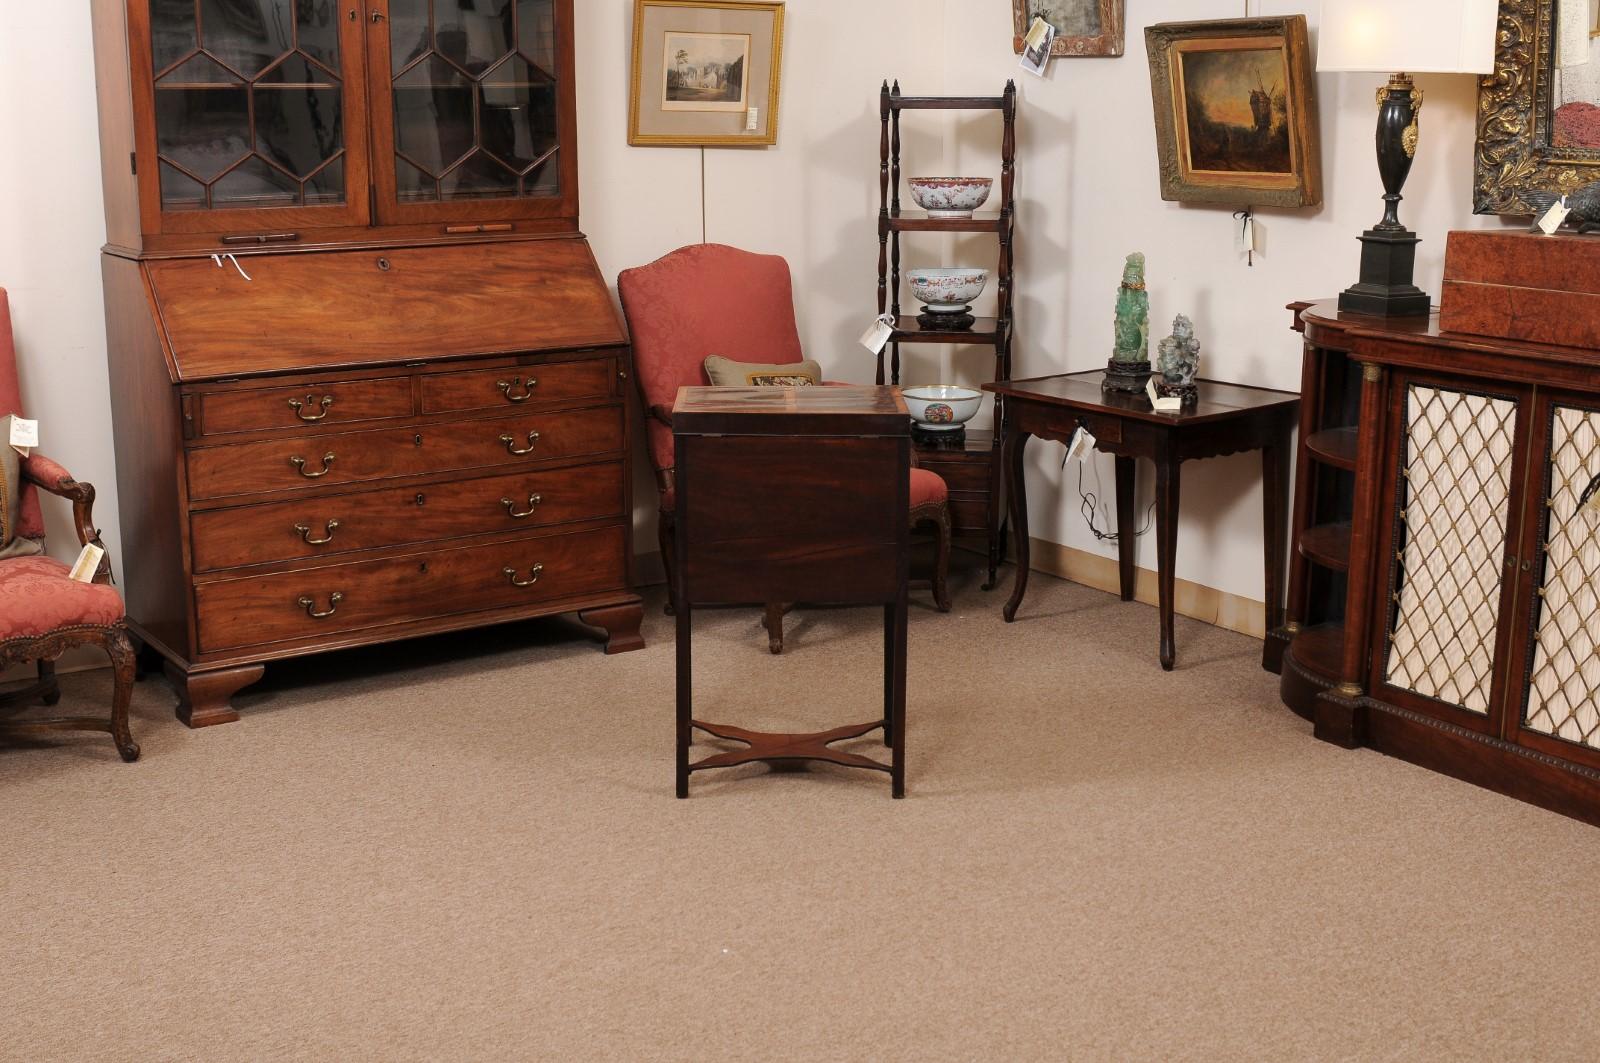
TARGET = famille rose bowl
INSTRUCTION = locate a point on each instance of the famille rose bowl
(949, 290)
(942, 407)
(950, 197)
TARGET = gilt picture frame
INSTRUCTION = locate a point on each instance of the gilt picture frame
(706, 73)
(1236, 112)
(1519, 148)
(1084, 28)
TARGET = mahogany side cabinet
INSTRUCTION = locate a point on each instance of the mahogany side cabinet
(367, 379)
(1442, 604)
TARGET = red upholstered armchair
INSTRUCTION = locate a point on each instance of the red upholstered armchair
(42, 612)
(712, 299)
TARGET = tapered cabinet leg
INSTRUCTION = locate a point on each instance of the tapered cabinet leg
(621, 624)
(897, 714)
(203, 697)
(685, 692)
(1167, 480)
(1127, 525)
(1016, 492)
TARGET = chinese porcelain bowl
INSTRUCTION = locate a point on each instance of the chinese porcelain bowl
(947, 290)
(942, 407)
(950, 197)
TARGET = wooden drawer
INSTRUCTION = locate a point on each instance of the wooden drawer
(969, 514)
(285, 531)
(298, 462)
(309, 404)
(592, 378)
(265, 609)
(970, 476)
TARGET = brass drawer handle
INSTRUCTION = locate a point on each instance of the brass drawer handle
(305, 533)
(511, 507)
(309, 604)
(300, 464)
(311, 400)
(533, 576)
(527, 387)
(511, 443)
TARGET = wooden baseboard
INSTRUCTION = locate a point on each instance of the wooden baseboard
(1230, 611)
(1194, 600)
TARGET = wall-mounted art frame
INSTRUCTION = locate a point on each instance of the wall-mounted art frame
(706, 73)
(1083, 27)
(1236, 112)
(1524, 139)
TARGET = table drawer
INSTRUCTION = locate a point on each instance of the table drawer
(591, 378)
(304, 462)
(969, 514)
(962, 475)
(265, 609)
(299, 406)
(287, 531)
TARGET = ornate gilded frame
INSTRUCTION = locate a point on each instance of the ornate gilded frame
(1109, 42)
(1514, 113)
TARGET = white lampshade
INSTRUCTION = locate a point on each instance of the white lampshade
(1409, 36)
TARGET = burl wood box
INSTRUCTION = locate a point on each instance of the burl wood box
(1523, 286)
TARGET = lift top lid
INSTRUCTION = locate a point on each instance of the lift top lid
(316, 310)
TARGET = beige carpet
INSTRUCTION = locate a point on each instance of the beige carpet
(469, 850)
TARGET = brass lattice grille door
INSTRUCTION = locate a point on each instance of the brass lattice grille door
(1454, 512)
(1564, 679)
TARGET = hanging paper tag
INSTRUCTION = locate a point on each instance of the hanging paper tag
(1036, 46)
(751, 119)
(24, 435)
(1552, 219)
(1159, 404)
(876, 338)
(88, 564)
(1244, 237)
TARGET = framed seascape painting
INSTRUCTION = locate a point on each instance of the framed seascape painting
(1236, 112)
(1083, 27)
(705, 73)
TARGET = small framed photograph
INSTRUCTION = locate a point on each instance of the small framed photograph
(1082, 27)
(705, 73)
(1036, 47)
(1236, 112)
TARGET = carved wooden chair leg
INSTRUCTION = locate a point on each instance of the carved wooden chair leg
(50, 687)
(773, 622)
(122, 655)
(941, 561)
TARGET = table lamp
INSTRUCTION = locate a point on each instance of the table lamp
(1413, 37)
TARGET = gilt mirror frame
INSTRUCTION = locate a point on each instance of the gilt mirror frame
(1514, 154)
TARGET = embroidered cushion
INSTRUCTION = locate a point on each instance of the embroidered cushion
(727, 373)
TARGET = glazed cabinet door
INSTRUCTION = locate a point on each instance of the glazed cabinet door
(1554, 702)
(250, 115)
(473, 112)
(1452, 517)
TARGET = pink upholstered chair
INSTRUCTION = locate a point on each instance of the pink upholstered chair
(42, 612)
(712, 299)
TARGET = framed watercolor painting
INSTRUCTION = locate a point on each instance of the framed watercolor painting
(1083, 27)
(705, 73)
(1236, 112)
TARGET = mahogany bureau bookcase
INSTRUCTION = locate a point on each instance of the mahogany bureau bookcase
(367, 380)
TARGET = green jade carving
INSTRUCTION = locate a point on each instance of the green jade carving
(1133, 315)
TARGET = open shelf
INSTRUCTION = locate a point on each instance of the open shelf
(1334, 446)
(1328, 545)
(1320, 649)
(984, 330)
(917, 221)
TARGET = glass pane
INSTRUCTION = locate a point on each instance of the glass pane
(475, 78)
(480, 177)
(298, 117)
(433, 124)
(536, 32)
(172, 31)
(179, 192)
(260, 102)
(255, 184)
(205, 131)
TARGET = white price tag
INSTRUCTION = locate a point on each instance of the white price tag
(88, 564)
(752, 120)
(24, 433)
(1080, 445)
(1159, 404)
(1552, 219)
(1244, 237)
(876, 338)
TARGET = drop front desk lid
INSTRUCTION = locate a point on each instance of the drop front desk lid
(317, 310)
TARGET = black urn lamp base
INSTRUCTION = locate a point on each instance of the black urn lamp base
(1388, 262)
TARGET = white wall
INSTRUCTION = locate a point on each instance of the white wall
(1086, 180)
